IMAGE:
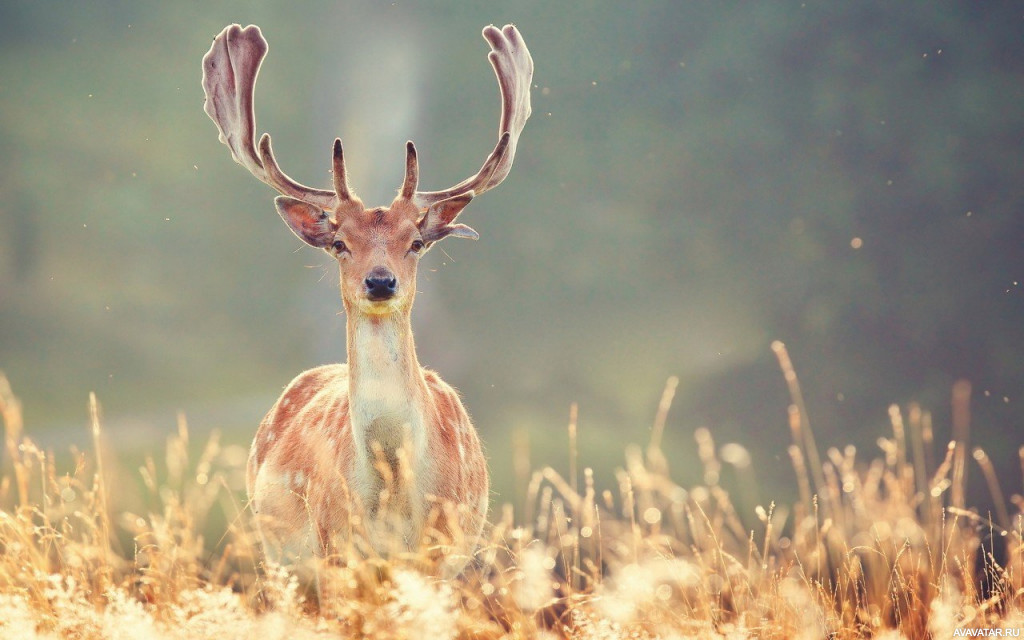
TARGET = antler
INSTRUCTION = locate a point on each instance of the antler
(412, 172)
(229, 77)
(514, 68)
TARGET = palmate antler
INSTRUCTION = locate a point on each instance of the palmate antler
(514, 68)
(229, 77)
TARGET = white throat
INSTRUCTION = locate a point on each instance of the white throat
(384, 385)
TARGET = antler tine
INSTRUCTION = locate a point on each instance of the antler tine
(340, 176)
(513, 67)
(285, 185)
(412, 172)
(230, 68)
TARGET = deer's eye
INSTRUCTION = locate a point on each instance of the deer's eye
(339, 246)
(417, 246)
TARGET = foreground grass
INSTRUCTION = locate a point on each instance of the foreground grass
(882, 548)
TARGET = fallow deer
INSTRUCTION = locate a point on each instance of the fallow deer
(379, 449)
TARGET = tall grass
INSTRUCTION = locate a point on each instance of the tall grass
(880, 548)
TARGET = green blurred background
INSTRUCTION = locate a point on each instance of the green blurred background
(689, 189)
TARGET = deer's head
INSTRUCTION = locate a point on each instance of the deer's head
(377, 249)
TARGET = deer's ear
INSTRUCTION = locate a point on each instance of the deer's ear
(436, 223)
(310, 223)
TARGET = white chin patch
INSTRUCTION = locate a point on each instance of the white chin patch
(379, 307)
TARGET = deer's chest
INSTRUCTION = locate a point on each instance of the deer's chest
(390, 441)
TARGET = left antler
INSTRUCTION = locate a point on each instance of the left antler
(229, 78)
(514, 68)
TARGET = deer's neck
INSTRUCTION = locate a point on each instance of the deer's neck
(386, 389)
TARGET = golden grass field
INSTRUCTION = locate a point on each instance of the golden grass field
(874, 548)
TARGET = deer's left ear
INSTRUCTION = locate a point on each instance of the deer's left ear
(436, 223)
(310, 223)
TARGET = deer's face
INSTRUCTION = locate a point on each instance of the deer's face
(377, 250)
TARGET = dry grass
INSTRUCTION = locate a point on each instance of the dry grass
(882, 548)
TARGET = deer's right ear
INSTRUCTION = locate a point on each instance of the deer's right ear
(436, 223)
(311, 223)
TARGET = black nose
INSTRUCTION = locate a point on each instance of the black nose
(380, 288)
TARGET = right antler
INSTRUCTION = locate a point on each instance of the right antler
(514, 68)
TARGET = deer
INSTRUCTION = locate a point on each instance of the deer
(376, 455)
